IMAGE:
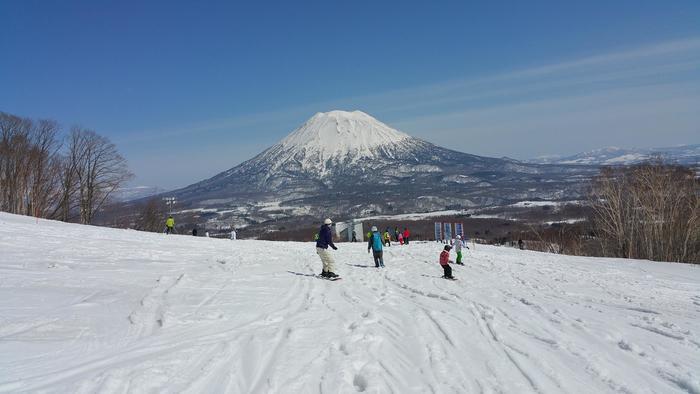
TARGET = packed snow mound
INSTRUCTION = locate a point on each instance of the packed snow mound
(86, 309)
(339, 133)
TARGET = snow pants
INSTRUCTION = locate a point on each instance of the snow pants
(378, 258)
(459, 257)
(326, 259)
(447, 271)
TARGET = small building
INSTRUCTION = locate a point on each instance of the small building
(344, 230)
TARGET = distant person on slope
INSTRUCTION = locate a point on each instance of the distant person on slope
(387, 238)
(325, 239)
(170, 225)
(458, 244)
(375, 244)
(445, 262)
(406, 235)
(400, 238)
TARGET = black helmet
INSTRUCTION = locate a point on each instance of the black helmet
(448, 247)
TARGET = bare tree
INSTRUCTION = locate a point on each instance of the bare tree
(98, 169)
(43, 168)
(151, 216)
(15, 146)
(559, 238)
(37, 178)
(649, 211)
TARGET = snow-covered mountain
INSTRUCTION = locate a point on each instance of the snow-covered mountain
(338, 137)
(684, 154)
(351, 164)
(88, 309)
(329, 144)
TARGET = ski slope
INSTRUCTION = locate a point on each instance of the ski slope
(86, 309)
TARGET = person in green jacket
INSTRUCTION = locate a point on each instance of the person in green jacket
(170, 225)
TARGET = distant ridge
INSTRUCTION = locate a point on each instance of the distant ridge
(683, 154)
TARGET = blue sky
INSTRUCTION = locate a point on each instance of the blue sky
(189, 89)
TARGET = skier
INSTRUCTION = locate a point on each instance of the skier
(387, 238)
(325, 239)
(396, 233)
(170, 225)
(445, 262)
(521, 244)
(233, 234)
(406, 235)
(354, 236)
(458, 244)
(194, 232)
(375, 244)
(400, 237)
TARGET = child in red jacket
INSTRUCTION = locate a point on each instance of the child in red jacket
(445, 262)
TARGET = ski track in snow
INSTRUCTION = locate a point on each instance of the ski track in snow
(86, 309)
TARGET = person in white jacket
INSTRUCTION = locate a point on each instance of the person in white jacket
(458, 244)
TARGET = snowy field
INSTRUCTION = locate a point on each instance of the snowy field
(86, 309)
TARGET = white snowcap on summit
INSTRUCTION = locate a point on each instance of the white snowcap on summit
(337, 133)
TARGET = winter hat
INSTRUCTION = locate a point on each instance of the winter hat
(459, 236)
(328, 221)
(374, 228)
(448, 247)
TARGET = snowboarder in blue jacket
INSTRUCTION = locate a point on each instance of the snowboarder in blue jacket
(375, 244)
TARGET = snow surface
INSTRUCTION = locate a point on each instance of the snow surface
(86, 309)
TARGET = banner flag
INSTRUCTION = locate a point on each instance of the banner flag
(438, 231)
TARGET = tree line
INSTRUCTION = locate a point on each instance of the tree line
(48, 173)
(648, 211)
(645, 211)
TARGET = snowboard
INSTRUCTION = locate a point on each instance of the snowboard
(448, 278)
(329, 279)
